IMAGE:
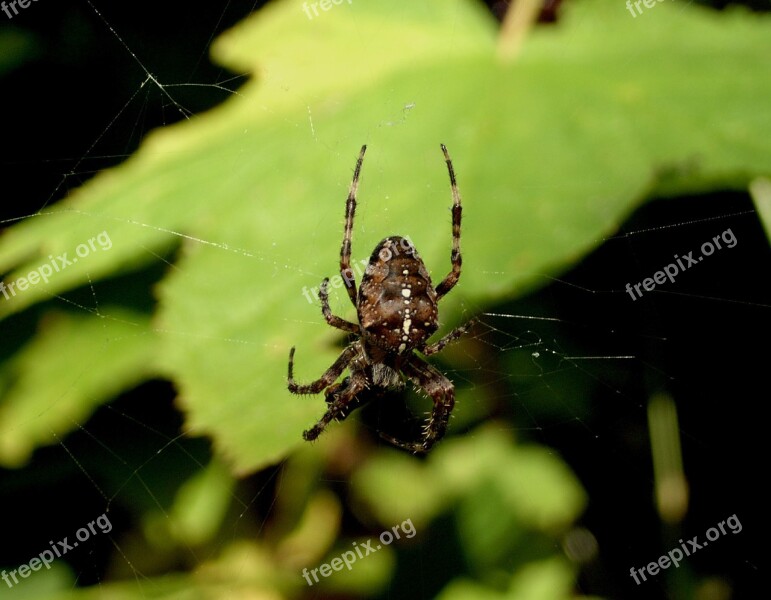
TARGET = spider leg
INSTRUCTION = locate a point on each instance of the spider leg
(339, 397)
(345, 251)
(441, 391)
(329, 376)
(452, 277)
(333, 320)
(439, 345)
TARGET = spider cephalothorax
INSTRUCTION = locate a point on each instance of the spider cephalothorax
(397, 311)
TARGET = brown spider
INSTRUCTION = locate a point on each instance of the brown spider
(397, 313)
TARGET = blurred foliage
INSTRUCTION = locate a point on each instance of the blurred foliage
(761, 195)
(552, 152)
(494, 499)
(36, 406)
(16, 48)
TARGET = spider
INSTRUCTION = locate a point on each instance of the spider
(397, 313)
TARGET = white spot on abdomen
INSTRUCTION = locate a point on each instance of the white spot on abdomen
(406, 325)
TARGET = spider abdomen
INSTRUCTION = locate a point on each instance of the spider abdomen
(397, 303)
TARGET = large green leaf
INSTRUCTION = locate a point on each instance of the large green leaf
(551, 151)
(57, 380)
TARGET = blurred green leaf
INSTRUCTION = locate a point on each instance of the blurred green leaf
(546, 580)
(464, 589)
(550, 579)
(760, 189)
(198, 511)
(366, 576)
(394, 487)
(74, 364)
(17, 46)
(507, 501)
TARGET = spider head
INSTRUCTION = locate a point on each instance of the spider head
(397, 303)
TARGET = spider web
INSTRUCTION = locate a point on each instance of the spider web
(569, 366)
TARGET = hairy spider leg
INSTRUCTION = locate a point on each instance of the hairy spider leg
(345, 251)
(331, 319)
(329, 376)
(452, 277)
(339, 397)
(439, 345)
(441, 391)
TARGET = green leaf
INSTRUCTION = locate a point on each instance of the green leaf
(550, 579)
(199, 509)
(74, 364)
(551, 152)
(394, 486)
(494, 476)
(546, 580)
(760, 189)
